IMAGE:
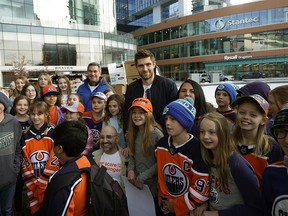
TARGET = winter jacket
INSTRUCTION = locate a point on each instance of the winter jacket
(162, 92)
(10, 151)
(85, 92)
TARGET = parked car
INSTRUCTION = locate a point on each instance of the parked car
(253, 75)
(224, 77)
(204, 78)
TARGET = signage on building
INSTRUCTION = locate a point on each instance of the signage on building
(221, 23)
(236, 57)
(63, 67)
(46, 68)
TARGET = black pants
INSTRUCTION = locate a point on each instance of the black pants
(18, 193)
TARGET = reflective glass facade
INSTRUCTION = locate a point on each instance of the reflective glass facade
(143, 4)
(199, 5)
(143, 20)
(143, 13)
(140, 12)
(170, 10)
(75, 35)
(122, 11)
(230, 44)
(218, 24)
(250, 39)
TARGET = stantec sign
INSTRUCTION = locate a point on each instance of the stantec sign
(221, 23)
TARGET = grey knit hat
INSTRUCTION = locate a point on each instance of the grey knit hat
(4, 99)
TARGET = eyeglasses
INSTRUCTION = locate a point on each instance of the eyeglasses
(280, 133)
(107, 136)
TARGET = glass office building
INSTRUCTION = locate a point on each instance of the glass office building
(234, 40)
(60, 33)
(143, 13)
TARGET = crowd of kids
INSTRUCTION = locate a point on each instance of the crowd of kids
(196, 159)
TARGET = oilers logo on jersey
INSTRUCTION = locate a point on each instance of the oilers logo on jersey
(213, 195)
(280, 206)
(95, 134)
(175, 180)
(38, 160)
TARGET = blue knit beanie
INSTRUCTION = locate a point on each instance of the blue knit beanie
(183, 111)
(230, 89)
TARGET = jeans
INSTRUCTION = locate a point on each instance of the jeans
(6, 201)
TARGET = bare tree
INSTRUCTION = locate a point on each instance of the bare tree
(19, 67)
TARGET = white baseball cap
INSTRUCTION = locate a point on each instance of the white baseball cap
(100, 95)
(74, 106)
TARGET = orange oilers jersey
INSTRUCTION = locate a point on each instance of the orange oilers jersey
(182, 174)
(39, 163)
(73, 198)
(259, 163)
(54, 116)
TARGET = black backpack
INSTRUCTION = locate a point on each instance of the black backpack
(106, 197)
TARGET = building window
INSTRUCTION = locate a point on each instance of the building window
(59, 54)
(90, 14)
(169, 11)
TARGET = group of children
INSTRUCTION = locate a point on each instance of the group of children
(236, 131)
(209, 162)
(38, 117)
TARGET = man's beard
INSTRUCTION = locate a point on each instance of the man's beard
(145, 77)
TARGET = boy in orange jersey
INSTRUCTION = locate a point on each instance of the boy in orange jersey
(182, 174)
(70, 139)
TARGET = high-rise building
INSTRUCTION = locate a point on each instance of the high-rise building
(234, 40)
(60, 35)
(133, 14)
(141, 13)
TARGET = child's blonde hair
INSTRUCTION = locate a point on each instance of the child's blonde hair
(280, 95)
(224, 148)
(68, 85)
(47, 76)
(150, 124)
(262, 146)
(16, 92)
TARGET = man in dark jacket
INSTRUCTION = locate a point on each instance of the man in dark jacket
(94, 83)
(159, 90)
